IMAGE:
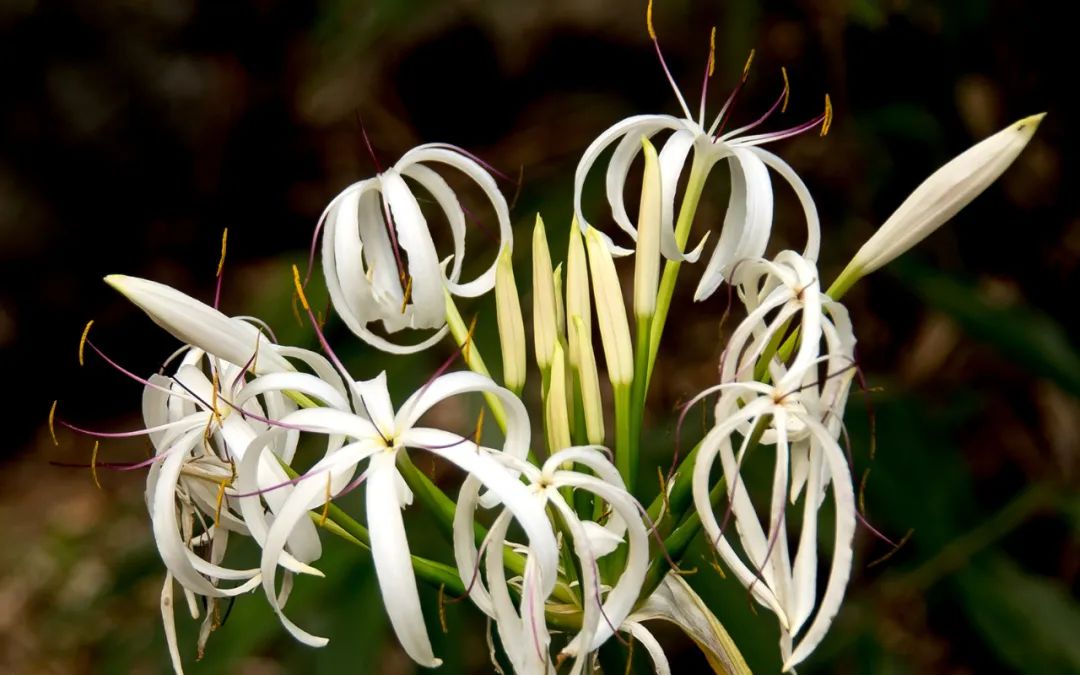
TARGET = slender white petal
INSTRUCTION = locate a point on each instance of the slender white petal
(438, 153)
(393, 566)
(651, 645)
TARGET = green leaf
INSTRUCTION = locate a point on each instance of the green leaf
(1031, 622)
(1025, 336)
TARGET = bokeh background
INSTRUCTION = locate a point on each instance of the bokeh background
(133, 131)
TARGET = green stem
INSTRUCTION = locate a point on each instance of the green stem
(473, 360)
(625, 452)
(639, 387)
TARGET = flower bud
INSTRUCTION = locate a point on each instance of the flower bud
(610, 311)
(200, 325)
(588, 380)
(939, 198)
(545, 319)
(556, 416)
(647, 256)
(511, 324)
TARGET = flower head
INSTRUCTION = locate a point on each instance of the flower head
(378, 254)
(748, 221)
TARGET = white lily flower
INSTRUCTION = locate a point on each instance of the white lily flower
(940, 197)
(525, 639)
(199, 428)
(377, 437)
(378, 255)
(803, 422)
(748, 221)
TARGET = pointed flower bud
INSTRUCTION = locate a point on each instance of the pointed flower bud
(556, 415)
(200, 325)
(589, 381)
(647, 256)
(939, 198)
(511, 324)
(610, 310)
(577, 291)
(545, 319)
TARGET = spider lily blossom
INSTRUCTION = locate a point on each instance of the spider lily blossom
(379, 257)
(199, 428)
(523, 635)
(801, 421)
(940, 197)
(377, 437)
(748, 220)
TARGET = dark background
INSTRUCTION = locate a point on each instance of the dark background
(132, 132)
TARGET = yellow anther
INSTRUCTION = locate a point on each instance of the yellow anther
(408, 294)
(52, 423)
(479, 429)
(300, 288)
(712, 51)
(220, 500)
(214, 398)
(93, 464)
(828, 116)
(746, 68)
(82, 340)
(326, 506)
(787, 89)
(649, 23)
(221, 261)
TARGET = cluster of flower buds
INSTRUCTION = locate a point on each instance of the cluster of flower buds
(549, 536)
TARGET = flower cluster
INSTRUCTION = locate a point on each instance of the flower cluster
(549, 535)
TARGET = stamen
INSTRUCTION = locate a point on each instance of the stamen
(479, 429)
(712, 51)
(93, 464)
(787, 89)
(749, 62)
(220, 267)
(407, 295)
(828, 116)
(220, 500)
(391, 231)
(780, 102)
(710, 67)
(214, 398)
(367, 142)
(725, 111)
(318, 332)
(52, 423)
(326, 505)
(663, 63)
(862, 489)
(899, 544)
(300, 289)
(82, 341)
